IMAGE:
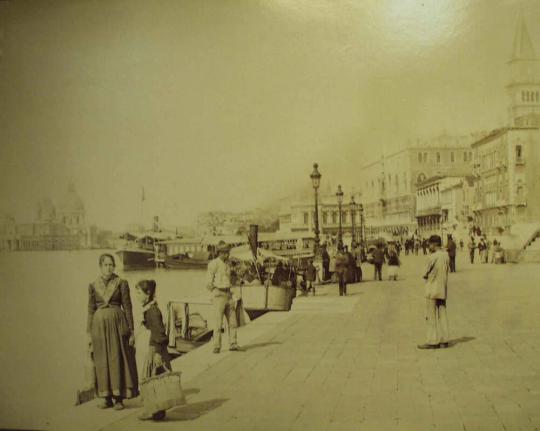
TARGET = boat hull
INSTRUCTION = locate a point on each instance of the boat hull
(171, 263)
(136, 259)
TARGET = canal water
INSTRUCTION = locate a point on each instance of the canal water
(44, 309)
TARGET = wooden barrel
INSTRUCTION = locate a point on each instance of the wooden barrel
(254, 296)
(280, 297)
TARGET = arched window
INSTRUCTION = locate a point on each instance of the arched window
(425, 157)
(419, 157)
(452, 157)
(438, 157)
(523, 96)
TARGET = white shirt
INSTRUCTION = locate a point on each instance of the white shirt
(219, 275)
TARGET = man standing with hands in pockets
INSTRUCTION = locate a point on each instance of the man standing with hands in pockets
(219, 283)
(436, 277)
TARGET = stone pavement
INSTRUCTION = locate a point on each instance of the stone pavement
(323, 368)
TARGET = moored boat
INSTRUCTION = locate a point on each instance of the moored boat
(140, 250)
(194, 253)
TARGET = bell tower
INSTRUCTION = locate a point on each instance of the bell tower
(524, 85)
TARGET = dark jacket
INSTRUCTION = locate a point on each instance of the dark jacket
(342, 262)
(451, 247)
(378, 256)
(311, 272)
(153, 321)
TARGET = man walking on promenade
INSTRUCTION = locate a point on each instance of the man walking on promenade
(325, 262)
(378, 260)
(357, 253)
(471, 247)
(435, 290)
(451, 247)
(342, 262)
(219, 283)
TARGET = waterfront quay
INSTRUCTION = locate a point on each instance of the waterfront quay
(351, 363)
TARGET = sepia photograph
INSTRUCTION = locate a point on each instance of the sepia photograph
(267, 215)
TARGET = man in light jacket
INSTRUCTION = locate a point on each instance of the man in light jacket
(219, 283)
(436, 287)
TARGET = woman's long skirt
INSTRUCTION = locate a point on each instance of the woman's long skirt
(114, 358)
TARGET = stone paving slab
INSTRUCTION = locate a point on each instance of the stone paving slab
(360, 369)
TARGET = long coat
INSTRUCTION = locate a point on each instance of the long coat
(436, 275)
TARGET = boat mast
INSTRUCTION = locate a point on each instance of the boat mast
(253, 238)
(143, 198)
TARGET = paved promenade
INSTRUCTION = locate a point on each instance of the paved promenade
(351, 363)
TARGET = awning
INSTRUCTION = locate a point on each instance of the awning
(244, 253)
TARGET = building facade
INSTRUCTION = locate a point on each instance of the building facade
(524, 84)
(300, 218)
(53, 229)
(507, 161)
(389, 184)
(443, 207)
(507, 179)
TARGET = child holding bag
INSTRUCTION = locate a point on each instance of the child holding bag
(157, 360)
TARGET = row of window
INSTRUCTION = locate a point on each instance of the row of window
(490, 160)
(423, 157)
(333, 216)
(392, 183)
(529, 96)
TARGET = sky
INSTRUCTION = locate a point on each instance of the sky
(225, 104)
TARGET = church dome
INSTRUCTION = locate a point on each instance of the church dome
(71, 202)
(46, 210)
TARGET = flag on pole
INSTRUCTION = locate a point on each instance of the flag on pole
(143, 197)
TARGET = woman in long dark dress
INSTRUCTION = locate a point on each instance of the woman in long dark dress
(110, 327)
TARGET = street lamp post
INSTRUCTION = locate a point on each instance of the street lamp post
(316, 182)
(361, 210)
(353, 213)
(339, 196)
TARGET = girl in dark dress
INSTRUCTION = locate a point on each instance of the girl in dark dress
(110, 331)
(157, 360)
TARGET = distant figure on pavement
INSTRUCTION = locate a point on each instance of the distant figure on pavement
(498, 253)
(471, 246)
(393, 264)
(451, 248)
(351, 266)
(424, 246)
(461, 244)
(482, 250)
(311, 276)
(435, 291)
(342, 262)
(326, 263)
(378, 260)
(357, 253)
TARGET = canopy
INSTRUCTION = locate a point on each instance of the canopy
(386, 237)
(244, 253)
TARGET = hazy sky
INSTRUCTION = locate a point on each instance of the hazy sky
(226, 104)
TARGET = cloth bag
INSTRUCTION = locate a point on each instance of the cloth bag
(162, 392)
